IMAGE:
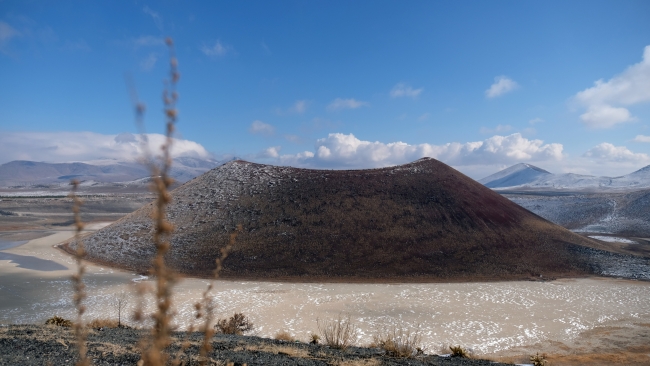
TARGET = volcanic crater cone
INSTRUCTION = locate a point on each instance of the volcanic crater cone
(422, 221)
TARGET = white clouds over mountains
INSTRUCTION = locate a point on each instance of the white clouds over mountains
(607, 101)
(59, 147)
(608, 152)
(338, 150)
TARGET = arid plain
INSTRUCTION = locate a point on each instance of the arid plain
(598, 320)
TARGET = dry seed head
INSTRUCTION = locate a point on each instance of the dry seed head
(171, 113)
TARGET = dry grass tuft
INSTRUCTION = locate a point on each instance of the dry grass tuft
(399, 342)
(359, 362)
(103, 323)
(237, 324)
(314, 338)
(283, 335)
(339, 333)
(275, 349)
(538, 360)
(59, 321)
(458, 351)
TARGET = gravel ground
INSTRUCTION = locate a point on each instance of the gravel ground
(50, 345)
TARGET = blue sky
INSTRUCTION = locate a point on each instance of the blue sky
(335, 84)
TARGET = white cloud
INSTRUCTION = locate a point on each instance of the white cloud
(346, 151)
(7, 32)
(502, 85)
(339, 103)
(85, 146)
(605, 100)
(148, 63)
(216, 50)
(403, 90)
(299, 107)
(535, 121)
(147, 41)
(293, 138)
(155, 16)
(261, 128)
(271, 152)
(497, 129)
(424, 117)
(604, 116)
(609, 153)
(642, 138)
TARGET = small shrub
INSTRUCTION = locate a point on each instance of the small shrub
(104, 323)
(315, 338)
(458, 351)
(59, 321)
(399, 342)
(340, 333)
(237, 324)
(538, 360)
(284, 336)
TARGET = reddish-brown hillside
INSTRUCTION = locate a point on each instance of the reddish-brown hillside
(415, 222)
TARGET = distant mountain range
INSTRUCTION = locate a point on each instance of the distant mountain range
(526, 176)
(30, 173)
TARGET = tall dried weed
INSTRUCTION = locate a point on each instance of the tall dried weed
(339, 333)
(77, 279)
(399, 342)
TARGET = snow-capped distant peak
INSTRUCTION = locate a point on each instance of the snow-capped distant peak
(531, 177)
(515, 175)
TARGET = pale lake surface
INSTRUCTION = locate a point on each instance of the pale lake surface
(487, 317)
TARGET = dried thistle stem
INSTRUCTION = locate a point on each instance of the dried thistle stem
(205, 308)
(161, 181)
(77, 278)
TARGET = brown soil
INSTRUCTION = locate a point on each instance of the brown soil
(622, 345)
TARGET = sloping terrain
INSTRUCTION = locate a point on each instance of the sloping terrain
(625, 214)
(419, 221)
(50, 345)
(529, 177)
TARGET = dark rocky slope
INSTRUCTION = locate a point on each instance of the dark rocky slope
(50, 345)
(422, 221)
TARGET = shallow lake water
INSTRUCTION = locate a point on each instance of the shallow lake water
(487, 317)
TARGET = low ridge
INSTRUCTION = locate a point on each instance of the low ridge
(422, 221)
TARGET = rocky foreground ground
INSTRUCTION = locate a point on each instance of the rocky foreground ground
(52, 345)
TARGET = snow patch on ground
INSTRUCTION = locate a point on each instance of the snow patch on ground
(613, 239)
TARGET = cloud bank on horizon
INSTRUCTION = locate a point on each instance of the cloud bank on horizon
(336, 151)
(59, 147)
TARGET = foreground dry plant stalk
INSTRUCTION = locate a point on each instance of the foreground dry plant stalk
(161, 181)
(208, 304)
(77, 278)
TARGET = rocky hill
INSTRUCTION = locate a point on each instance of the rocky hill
(422, 221)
